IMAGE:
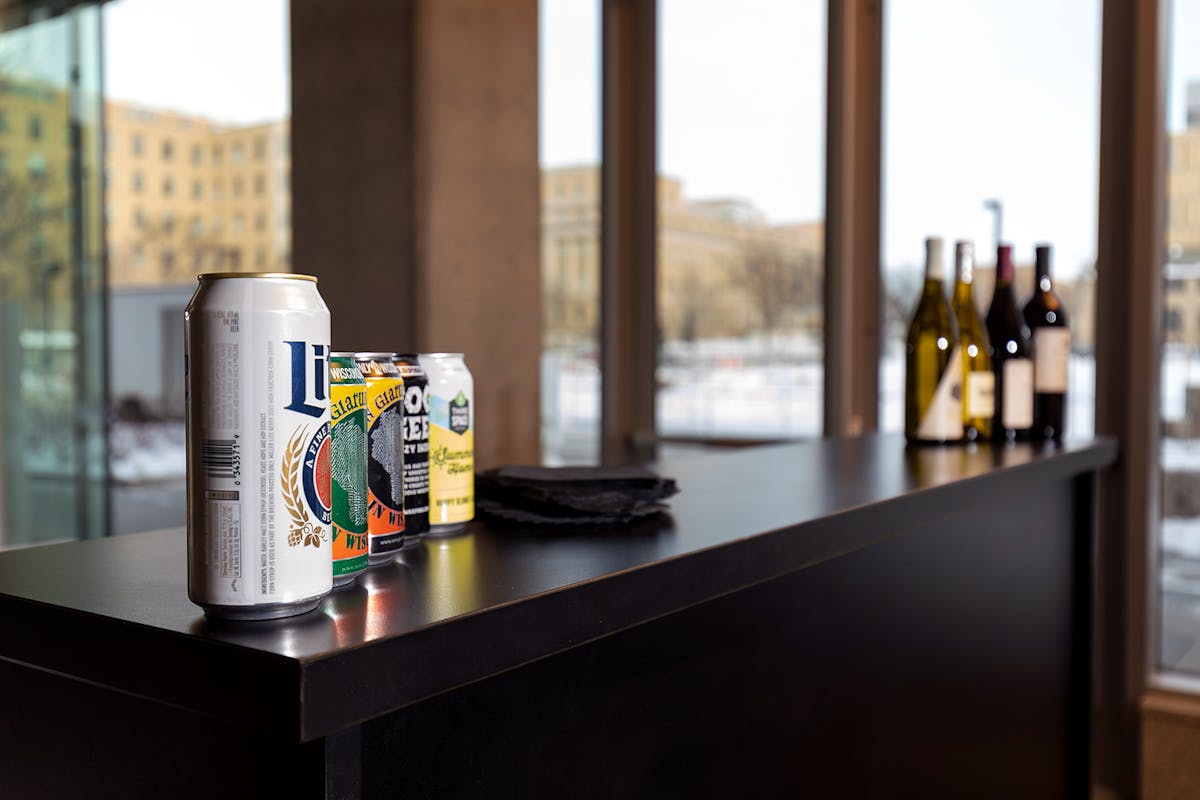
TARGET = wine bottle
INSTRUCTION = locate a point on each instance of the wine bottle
(979, 384)
(1047, 319)
(933, 367)
(1008, 337)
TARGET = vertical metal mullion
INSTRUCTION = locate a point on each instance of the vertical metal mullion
(628, 229)
(853, 176)
(1129, 260)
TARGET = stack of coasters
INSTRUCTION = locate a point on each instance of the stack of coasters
(571, 495)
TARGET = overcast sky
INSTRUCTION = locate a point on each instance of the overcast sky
(989, 98)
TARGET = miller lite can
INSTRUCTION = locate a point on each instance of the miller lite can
(451, 442)
(385, 455)
(416, 444)
(259, 499)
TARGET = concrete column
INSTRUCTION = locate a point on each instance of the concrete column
(416, 189)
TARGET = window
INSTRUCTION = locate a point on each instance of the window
(570, 151)
(217, 153)
(260, 221)
(35, 126)
(168, 223)
(136, 182)
(197, 189)
(197, 155)
(1179, 543)
(168, 186)
(237, 153)
(986, 133)
(197, 227)
(237, 186)
(139, 219)
(260, 148)
(168, 149)
(168, 262)
(740, 236)
(136, 144)
(260, 185)
(237, 224)
(37, 166)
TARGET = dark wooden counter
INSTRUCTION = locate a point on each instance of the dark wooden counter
(883, 579)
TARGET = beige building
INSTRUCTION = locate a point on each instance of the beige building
(35, 196)
(723, 270)
(186, 195)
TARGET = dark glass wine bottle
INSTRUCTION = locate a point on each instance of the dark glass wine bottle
(933, 411)
(1047, 319)
(1010, 350)
(979, 384)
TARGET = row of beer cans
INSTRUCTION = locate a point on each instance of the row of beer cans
(306, 465)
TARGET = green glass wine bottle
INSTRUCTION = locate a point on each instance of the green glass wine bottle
(933, 412)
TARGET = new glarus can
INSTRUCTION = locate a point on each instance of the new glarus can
(348, 467)
(451, 442)
(385, 454)
(259, 499)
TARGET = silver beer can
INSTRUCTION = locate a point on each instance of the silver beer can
(259, 493)
(451, 442)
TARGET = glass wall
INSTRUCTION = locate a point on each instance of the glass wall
(740, 206)
(197, 121)
(569, 87)
(1179, 641)
(991, 116)
(52, 353)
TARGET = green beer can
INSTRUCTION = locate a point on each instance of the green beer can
(348, 467)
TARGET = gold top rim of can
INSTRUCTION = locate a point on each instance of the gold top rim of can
(217, 276)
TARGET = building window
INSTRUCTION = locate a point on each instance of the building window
(168, 149)
(197, 189)
(197, 154)
(197, 227)
(1173, 320)
(139, 219)
(37, 166)
(237, 153)
(260, 221)
(237, 186)
(139, 257)
(137, 182)
(260, 184)
(168, 262)
(237, 224)
(136, 144)
(216, 155)
(168, 223)
(35, 126)
(168, 186)
(260, 148)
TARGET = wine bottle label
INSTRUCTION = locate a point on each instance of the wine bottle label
(943, 420)
(980, 394)
(1018, 394)
(1051, 351)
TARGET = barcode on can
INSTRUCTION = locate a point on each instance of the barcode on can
(221, 458)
